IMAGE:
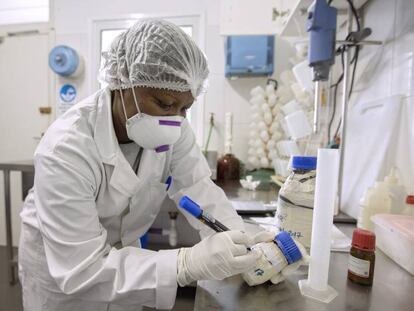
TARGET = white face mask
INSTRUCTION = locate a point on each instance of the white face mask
(152, 132)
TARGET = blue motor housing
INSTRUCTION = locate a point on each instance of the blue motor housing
(321, 25)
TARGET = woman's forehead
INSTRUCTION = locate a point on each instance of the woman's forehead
(186, 97)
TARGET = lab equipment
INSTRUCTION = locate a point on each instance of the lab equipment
(361, 263)
(228, 166)
(316, 286)
(65, 61)
(395, 237)
(385, 197)
(249, 55)
(194, 209)
(321, 25)
(276, 256)
(296, 200)
(129, 62)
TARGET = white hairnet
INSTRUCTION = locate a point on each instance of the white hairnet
(155, 53)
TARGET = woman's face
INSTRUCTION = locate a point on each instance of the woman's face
(159, 102)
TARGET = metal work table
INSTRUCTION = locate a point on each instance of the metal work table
(27, 169)
(393, 289)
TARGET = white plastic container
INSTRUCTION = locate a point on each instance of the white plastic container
(291, 107)
(397, 193)
(395, 237)
(298, 125)
(282, 167)
(287, 148)
(385, 197)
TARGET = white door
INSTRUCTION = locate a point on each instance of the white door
(24, 87)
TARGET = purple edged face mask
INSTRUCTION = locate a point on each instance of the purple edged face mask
(154, 132)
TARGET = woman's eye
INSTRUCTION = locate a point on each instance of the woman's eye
(164, 106)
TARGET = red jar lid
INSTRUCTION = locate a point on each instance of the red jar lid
(363, 239)
(410, 199)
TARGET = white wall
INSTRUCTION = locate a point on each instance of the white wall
(72, 26)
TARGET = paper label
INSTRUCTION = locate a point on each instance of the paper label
(358, 266)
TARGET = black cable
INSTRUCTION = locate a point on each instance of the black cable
(354, 12)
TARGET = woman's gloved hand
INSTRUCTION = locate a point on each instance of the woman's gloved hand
(216, 257)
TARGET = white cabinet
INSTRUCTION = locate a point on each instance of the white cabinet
(247, 17)
(282, 17)
(295, 23)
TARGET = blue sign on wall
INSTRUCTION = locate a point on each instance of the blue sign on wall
(67, 93)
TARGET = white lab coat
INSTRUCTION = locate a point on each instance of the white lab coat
(82, 220)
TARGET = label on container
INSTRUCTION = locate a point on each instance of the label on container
(358, 266)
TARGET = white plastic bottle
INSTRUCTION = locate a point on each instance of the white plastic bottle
(397, 193)
(296, 198)
(385, 197)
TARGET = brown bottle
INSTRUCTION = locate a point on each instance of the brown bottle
(228, 167)
(362, 257)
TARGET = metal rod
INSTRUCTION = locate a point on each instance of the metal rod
(316, 107)
(328, 110)
(9, 237)
(345, 99)
(368, 42)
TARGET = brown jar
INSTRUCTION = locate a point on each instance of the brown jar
(228, 167)
(361, 261)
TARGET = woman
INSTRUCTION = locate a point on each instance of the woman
(100, 180)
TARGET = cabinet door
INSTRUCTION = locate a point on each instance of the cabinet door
(246, 17)
(24, 87)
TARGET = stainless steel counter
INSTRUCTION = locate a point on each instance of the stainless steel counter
(393, 289)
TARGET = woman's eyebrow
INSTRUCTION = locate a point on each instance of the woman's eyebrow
(164, 99)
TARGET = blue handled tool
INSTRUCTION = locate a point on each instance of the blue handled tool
(194, 209)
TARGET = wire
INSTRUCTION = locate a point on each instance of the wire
(354, 12)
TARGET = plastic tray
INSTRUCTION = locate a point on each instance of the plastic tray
(395, 237)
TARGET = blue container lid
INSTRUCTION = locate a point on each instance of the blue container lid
(288, 247)
(190, 206)
(304, 163)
